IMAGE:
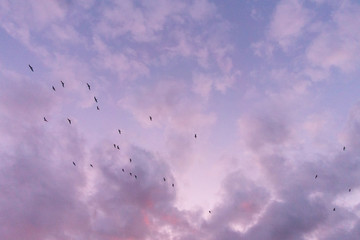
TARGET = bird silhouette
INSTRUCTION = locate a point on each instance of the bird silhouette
(344, 148)
(164, 179)
(130, 159)
(88, 85)
(195, 135)
(91, 165)
(97, 107)
(123, 170)
(209, 211)
(45, 119)
(130, 174)
(114, 145)
(135, 176)
(150, 118)
(31, 68)
(62, 83)
(119, 131)
(173, 185)
(69, 121)
(349, 189)
(334, 209)
(95, 99)
(53, 88)
(74, 164)
(315, 176)
(118, 147)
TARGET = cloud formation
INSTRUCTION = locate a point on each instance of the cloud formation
(269, 90)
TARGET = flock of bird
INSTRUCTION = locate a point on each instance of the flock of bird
(119, 131)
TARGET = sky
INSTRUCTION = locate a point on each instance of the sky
(270, 88)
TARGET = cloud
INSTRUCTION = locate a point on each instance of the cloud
(288, 23)
(126, 65)
(264, 130)
(167, 60)
(41, 186)
(303, 205)
(169, 104)
(336, 44)
(142, 23)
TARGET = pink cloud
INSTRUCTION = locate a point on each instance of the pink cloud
(288, 23)
(167, 100)
(336, 45)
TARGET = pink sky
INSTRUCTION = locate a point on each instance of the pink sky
(270, 88)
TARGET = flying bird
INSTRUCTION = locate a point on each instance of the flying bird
(315, 176)
(344, 148)
(209, 211)
(130, 160)
(95, 99)
(119, 131)
(135, 176)
(173, 185)
(97, 107)
(45, 119)
(123, 170)
(150, 118)
(69, 121)
(62, 83)
(114, 145)
(334, 209)
(349, 189)
(31, 68)
(195, 135)
(118, 147)
(53, 88)
(130, 174)
(91, 165)
(74, 164)
(88, 85)
(164, 179)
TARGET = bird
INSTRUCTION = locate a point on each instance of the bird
(173, 185)
(69, 121)
(88, 85)
(119, 131)
(150, 118)
(130, 174)
(97, 107)
(31, 68)
(164, 179)
(135, 176)
(114, 145)
(344, 148)
(74, 164)
(130, 159)
(209, 211)
(53, 88)
(195, 135)
(62, 83)
(95, 99)
(45, 119)
(123, 170)
(118, 147)
(315, 176)
(91, 165)
(349, 189)
(334, 209)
